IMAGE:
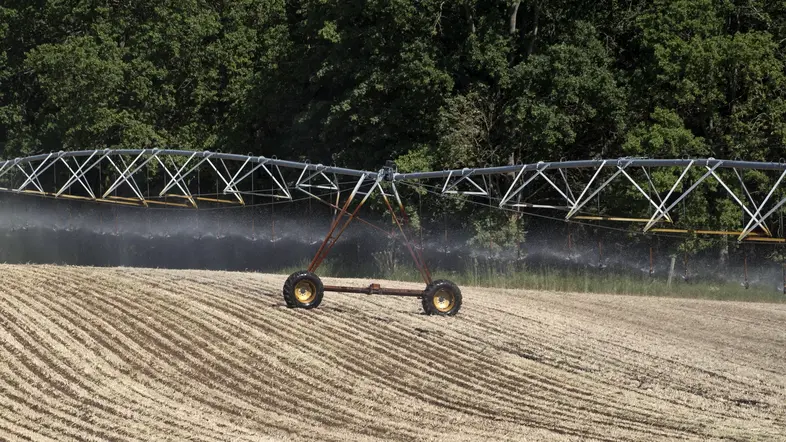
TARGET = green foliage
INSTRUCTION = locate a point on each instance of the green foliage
(134, 74)
(491, 233)
(566, 100)
(664, 136)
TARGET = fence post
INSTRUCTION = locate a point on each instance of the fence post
(746, 284)
(671, 269)
(687, 274)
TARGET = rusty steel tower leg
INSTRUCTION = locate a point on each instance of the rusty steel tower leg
(416, 253)
(333, 235)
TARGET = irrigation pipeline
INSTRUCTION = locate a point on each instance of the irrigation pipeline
(570, 185)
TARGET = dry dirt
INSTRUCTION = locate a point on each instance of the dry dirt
(137, 354)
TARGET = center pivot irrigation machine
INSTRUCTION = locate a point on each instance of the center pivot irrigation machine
(174, 178)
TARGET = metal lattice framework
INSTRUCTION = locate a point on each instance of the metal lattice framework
(157, 177)
(574, 184)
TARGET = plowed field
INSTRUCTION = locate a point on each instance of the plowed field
(137, 354)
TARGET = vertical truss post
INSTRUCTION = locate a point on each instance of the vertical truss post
(416, 254)
(330, 240)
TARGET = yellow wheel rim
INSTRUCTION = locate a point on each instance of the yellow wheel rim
(305, 291)
(444, 300)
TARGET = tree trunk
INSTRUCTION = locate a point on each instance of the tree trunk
(514, 11)
(535, 27)
(470, 19)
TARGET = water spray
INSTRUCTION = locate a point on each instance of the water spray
(229, 174)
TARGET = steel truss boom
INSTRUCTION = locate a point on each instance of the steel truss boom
(235, 174)
(591, 164)
(188, 153)
(555, 175)
(662, 186)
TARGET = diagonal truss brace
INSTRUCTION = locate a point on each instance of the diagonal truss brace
(568, 199)
(306, 182)
(567, 185)
(30, 177)
(178, 178)
(81, 171)
(538, 172)
(466, 176)
(77, 176)
(658, 207)
(756, 220)
(128, 173)
(232, 182)
(737, 200)
(510, 194)
(33, 177)
(663, 212)
(135, 185)
(654, 189)
(228, 188)
(580, 203)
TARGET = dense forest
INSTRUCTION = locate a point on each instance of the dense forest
(431, 83)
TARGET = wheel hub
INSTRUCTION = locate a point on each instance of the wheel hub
(305, 291)
(444, 300)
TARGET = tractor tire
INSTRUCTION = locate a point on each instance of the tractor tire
(303, 289)
(441, 298)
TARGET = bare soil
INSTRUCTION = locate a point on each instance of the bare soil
(139, 354)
